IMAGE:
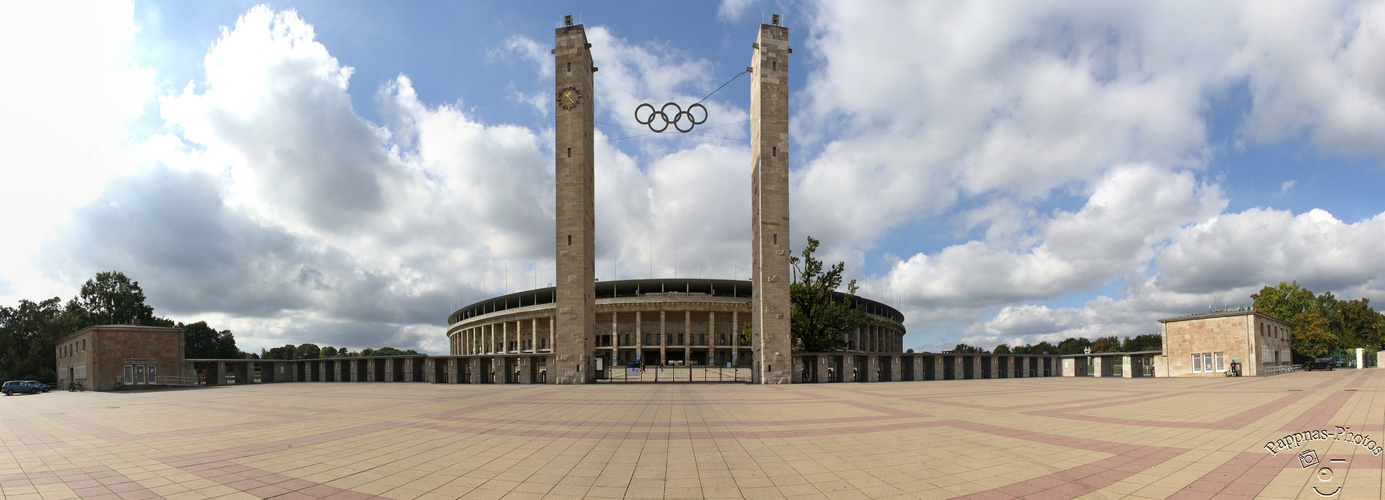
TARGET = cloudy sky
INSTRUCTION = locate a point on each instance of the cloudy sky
(348, 173)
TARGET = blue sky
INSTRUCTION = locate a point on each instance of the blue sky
(346, 173)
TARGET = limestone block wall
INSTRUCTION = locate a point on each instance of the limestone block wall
(1250, 338)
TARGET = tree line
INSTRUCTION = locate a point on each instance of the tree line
(30, 330)
(1321, 324)
(1147, 342)
(312, 351)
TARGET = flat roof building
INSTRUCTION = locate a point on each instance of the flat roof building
(1203, 345)
(106, 358)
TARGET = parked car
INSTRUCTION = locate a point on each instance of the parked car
(19, 386)
(1320, 364)
(41, 386)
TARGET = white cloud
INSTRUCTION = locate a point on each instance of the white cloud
(732, 10)
(1263, 246)
(1129, 210)
(1315, 68)
(1287, 185)
(70, 88)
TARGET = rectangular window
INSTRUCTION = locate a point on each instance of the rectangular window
(62, 372)
(129, 378)
(1221, 362)
(152, 370)
(680, 339)
(1207, 362)
(79, 370)
(139, 374)
(1197, 363)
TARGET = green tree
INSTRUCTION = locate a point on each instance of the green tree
(1311, 336)
(226, 346)
(1001, 349)
(307, 351)
(1285, 301)
(967, 349)
(1107, 344)
(1360, 324)
(27, 337)
(1044, 347)
(1146, 342)
(112, 298)
(820, 315)
(1073, 345)
(199, 340)
(329, 352)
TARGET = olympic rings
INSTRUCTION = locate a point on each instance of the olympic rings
(679, 116)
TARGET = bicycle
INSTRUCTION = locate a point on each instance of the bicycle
(75, 386)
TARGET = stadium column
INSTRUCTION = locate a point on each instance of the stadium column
(574, 344)
(769, 205)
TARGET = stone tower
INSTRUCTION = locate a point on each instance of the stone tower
(769, 153)
(574, 343)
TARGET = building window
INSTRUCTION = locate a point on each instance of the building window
(129, 378)
(1207, 362)
(1221, 366)
(152, 370)
(1197, 363)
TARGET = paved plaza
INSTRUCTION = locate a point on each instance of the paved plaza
(1005, 438)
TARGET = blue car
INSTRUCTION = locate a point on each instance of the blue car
(41, 386)
(20, 386)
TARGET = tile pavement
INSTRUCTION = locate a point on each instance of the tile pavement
(1013, 438)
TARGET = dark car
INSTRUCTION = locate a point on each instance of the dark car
(41, 386)
(1320, 364)
(20, 386)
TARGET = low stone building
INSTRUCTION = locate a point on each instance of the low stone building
(1205, 345)
(110, 357)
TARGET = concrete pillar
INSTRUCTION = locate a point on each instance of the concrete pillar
(1126, 368)
(770, 235)
(918, 367)
(1069, 367)
(849, 373)
(895, 372)
(1098, 366)
(687, 338)
(534, 336)
(663, 337)
(872, 368)
(639, 338)
(498, 369)
(995, 367)
(824, 364)
(575, 207)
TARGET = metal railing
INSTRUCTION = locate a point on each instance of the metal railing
(1278, 369)
(174, 380)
